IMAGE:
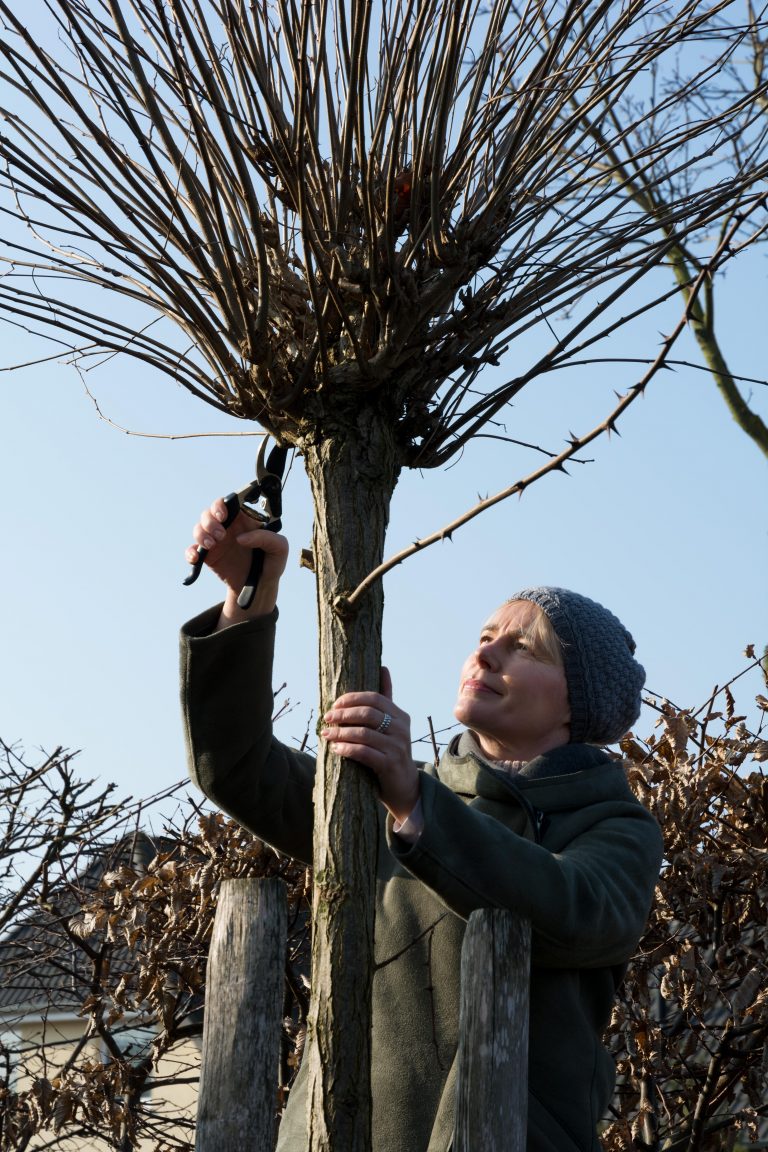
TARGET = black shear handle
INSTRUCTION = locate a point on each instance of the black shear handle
(232, 504)
(245, 599)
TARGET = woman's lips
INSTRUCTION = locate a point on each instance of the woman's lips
(478, 686)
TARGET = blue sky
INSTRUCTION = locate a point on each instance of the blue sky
(667, 527)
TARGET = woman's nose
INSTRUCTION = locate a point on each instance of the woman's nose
(487, 656)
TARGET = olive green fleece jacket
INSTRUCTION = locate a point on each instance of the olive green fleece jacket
(587, 888)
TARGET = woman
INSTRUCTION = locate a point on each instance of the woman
(524, 811)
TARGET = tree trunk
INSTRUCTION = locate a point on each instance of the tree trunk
(492, 1081)
(237, 1101)
(353, 471)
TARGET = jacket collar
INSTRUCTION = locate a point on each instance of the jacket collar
(465, 770)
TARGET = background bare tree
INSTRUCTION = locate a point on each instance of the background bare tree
(331, 219)
(112, 926)
(628, 160)
(47, 815)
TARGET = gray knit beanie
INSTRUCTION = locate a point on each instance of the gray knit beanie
(604, 679)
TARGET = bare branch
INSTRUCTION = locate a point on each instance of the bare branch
(345, 602)
(314, 207)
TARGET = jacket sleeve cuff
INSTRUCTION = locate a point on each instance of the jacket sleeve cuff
(203, 626)
(427, 856)
(412, 827)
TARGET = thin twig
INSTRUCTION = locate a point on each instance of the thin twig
(164, 435)
(435, 749)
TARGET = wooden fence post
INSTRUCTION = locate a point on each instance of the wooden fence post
(492, 1075)
(243, 1013)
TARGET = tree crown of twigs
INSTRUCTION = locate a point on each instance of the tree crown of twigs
(340, 204)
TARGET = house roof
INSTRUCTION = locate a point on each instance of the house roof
(41, 967)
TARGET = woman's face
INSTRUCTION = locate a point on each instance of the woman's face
(515, 701)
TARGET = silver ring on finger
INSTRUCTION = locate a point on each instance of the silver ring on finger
(385, 723)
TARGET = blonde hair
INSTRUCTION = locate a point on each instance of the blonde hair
(541, 637)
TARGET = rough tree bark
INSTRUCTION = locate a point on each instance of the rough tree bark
(492, 1081)
(353, 471)
(244, 1001)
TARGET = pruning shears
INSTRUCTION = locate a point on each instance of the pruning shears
(267, 491)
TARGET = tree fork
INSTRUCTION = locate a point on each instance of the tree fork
(353, 473)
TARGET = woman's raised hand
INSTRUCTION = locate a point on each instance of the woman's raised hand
(229, 556)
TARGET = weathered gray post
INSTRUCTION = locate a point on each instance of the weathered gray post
(492, 1083)
(243, 1011)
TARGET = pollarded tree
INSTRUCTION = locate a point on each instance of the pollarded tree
(330, 219)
